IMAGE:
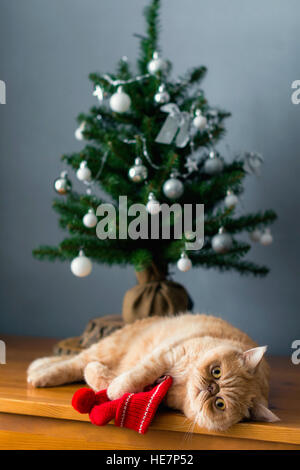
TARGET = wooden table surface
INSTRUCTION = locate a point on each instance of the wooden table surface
(44, 419)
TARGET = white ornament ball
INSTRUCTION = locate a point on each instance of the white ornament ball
(157, 64)
(231, 200)
(81, 266)
(255, 236)
(213, 165)
(120, 102)
(84, 173)
(266, 238)
(173, 188)
(90, 220)
(222, 242)
(153, 206)
(199, 121)
(184, 264)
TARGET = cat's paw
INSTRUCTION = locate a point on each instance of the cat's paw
(43, 363)
(37, 378)
(120, 385)
(49, 376)
(97, 376)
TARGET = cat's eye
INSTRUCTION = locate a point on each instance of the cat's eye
(216, 372)
(220, 404)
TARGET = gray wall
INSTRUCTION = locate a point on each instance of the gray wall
(48, 47)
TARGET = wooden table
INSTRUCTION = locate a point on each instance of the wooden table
(43, 418)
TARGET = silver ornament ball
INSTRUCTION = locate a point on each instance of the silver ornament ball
(184, 264)
(231, 200)
(173, 188)
(62, 184)
(157, 64)
(222, 242)
(266, 238)
(190, 235)
(138, 173)
(199, 120)
(153, 206)
(213, 165)
(255, 236)
(162, 96)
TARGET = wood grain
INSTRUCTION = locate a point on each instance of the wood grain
(22, 432)
(49, 409)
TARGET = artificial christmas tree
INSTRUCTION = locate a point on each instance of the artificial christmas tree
(154, 139)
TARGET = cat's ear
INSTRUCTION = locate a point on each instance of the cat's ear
(252, 357)
(259, 412)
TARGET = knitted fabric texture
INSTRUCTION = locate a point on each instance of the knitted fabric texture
(133, 410)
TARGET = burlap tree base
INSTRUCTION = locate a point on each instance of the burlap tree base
(96, 329)
(154, 295)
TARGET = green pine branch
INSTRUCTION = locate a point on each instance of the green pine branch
(246, 222)
(149, 44)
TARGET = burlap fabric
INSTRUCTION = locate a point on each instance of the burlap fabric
(154, 295)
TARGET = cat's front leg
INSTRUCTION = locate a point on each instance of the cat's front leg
(143, 374)
(56, 373)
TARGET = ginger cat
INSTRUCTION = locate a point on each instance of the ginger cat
(219, 373)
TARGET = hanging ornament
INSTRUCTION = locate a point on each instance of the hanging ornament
(222, 242)
(162, 96)
(173, 188)
(255, 236)
(79, 131)
(266, 238)
(189, 235)
(230, 200)
(120, 102)
(157, 64)
(213, 165)
(98, 92)
(176, 126)
(89, 219)
(184, 263)
(138, 172)
(191, 165)
(199, 120)
(62, 184)
(153, 206)
(81, 266)
(84, 173)
(253, 162)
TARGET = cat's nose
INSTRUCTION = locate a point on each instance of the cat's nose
(213, 388)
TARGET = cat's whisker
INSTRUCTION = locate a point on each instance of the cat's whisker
(189, 434)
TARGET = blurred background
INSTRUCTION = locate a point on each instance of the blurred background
(48, 48)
